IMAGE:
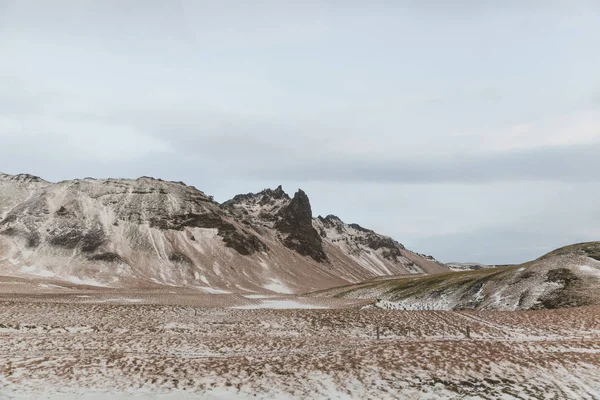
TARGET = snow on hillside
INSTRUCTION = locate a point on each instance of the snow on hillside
(147, 232)
(569, 279)
(76, 350)
(16, 188)
(454, 266)
(380, 254)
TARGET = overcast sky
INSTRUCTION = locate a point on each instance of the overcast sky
(469, 130)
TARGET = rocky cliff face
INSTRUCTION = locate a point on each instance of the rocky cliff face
(116, 232)
(295, 221)
(290, 219)
(378, 253)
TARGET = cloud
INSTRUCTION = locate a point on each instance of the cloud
(577, 127)
(377, 110)
(76, 140)
(497, 245)
(559, 163)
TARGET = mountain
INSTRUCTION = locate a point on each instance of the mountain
(456, 266)
(567, 277)
(148, 232)
(328, 239)
(16, 188)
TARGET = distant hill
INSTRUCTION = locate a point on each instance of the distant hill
(566, 277)
(455, 266)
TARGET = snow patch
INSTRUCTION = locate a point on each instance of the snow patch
(88, 282)
(258, 296)
(589, 270)
(212, 290)
(279, 304)
(34, 270)
(49, 286)
(278, 287)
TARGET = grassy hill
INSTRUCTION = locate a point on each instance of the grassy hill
(566, 277)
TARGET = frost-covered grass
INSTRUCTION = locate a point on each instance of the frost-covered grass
(556, 281)
(589, 249)
(278, 304)
(64, 349)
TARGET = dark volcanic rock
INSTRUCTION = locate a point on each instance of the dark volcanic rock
(360, 228)
(244, 242)
(93, 238)
(391, 248)
(377, 242)
(265, 196)
(569, 283)
(62, 211)
(295, 220)
(106, 257)
(180, 221)
(33, 239)
(180, 258)
(68, 238)
(332, 221)
(72, 237)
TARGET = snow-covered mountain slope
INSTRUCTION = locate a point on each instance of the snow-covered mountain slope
(567, 277)
(375, 252)
(16, 188)
(455, 266)
(147, 232)
(328, 239)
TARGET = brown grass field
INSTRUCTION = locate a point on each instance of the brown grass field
(72, 346)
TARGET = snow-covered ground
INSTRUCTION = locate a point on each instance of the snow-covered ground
(87, 348)
(278, 304)
(553, 281)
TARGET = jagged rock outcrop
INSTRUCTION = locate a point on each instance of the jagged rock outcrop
(262, 199)
(329, 239)
(371, 250)
(260, 209)
(120, 232)
(295, 221)
(390, 249)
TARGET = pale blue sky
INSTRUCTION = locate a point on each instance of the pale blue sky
(466, 129)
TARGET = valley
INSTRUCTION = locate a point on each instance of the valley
(150, 289)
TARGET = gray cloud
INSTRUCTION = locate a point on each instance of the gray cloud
(446, 133)
(498, 245)
(562, 164)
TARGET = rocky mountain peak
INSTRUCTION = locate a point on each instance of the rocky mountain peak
(360, 228)
(298, 210)
(295, 220)
(21, 178)
(262, 198)
(279, 193)
(331, 221)
(129, 231)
